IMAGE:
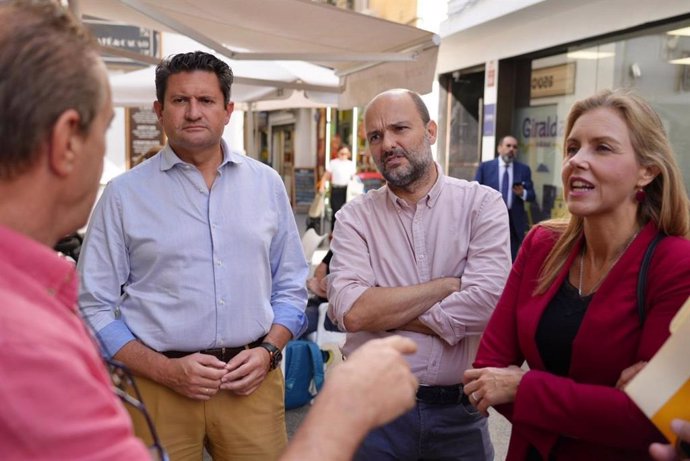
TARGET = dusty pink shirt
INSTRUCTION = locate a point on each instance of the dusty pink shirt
(57, 400)
(460, 229)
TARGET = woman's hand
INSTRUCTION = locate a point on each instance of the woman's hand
(628, 374)
(487, 387)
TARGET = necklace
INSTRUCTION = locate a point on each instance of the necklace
(606, 272)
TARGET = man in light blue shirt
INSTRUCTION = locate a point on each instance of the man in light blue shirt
(193, 275)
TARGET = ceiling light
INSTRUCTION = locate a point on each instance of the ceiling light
(584, 54)
(685, 61)
(683, 31)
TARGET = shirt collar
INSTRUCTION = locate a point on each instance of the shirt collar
(55, 274)
(169, 158)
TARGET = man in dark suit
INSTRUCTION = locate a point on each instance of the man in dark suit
(513, 180)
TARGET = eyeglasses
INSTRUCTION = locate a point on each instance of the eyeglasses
(123, 381)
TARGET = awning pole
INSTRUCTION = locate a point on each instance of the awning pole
(355, 137)
(74, 7)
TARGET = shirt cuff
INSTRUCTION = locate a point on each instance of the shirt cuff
(291, 318)
(113, 337)
(452, 332)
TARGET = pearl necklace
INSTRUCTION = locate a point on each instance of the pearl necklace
(603, 276)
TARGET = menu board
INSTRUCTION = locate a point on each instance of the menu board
(305, 187)
(143, 133)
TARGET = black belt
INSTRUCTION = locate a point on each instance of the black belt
(339, 187)
(224, 354)
(442, 395)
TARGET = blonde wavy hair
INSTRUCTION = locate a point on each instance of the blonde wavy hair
(666, 201)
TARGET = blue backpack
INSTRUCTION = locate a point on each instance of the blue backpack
(303, 372)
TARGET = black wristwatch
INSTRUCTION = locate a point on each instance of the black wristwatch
(274, 352)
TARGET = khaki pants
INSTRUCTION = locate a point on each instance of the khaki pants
(231, 427)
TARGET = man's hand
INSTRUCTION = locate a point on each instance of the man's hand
(417, 326)
(246, 371)
(518, 189)
(665, 452)
(196, 376)
(318, 286)
(372, 387)
(375, 382)
(488, 387)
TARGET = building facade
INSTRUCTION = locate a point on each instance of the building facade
(517, 67)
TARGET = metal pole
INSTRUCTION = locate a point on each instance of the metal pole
(74, 7)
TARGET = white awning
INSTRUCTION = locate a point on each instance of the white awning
(258, 85)
(356, 46)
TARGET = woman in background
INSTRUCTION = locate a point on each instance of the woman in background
(570, 304)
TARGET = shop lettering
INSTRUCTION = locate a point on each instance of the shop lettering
(540, 128)
(540, 83)
(553, 81)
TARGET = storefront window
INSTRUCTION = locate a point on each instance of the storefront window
(655, 64)
(462, 141)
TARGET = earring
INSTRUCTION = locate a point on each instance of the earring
(640, 195)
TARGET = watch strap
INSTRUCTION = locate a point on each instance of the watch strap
(274, 352)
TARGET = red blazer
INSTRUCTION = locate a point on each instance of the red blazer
(582, 416)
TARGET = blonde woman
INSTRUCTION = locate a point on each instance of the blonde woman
(570, 304)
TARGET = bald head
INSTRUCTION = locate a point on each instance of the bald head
(402, 92)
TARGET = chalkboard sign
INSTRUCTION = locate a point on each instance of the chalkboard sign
(143, 133)
(305, 187)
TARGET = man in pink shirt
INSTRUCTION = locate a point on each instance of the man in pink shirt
(424, 257)
(57, 398)
(55, 108)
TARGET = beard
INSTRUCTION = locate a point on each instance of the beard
(418, 163)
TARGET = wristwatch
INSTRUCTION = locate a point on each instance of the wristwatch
(274, 352)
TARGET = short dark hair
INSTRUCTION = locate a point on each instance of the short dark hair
(48, 61)
(189, 62)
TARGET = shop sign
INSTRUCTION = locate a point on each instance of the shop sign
(553, 81)
(490, 74)
(489, 119)
(129, 38)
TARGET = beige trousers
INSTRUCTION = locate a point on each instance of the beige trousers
(231, 427)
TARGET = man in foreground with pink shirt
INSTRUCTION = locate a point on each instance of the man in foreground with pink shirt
(58, 400)
(55, 108)
(425, 257)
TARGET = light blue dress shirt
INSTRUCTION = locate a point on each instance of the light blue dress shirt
(182, 267)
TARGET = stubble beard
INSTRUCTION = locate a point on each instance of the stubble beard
(404, 176)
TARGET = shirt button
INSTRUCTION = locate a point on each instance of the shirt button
(221, 302)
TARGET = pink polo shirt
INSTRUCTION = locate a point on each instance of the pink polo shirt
(459, 229)
(57, 400)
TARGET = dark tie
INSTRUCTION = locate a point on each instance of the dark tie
(505, 185)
